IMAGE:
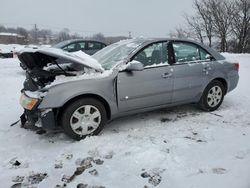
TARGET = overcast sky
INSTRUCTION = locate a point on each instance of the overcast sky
(149, 18)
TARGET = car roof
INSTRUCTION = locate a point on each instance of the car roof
(82, 40)
(67, 42)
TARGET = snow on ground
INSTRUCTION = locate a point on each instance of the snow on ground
(7, 48)
(177, 147)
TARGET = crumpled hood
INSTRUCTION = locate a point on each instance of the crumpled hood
(42, 56)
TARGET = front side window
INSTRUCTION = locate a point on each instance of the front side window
(69, 48)
(75, 47)
(154, 55)
(188, 52)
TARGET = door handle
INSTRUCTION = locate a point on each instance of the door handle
(207, 68)
(166, 75)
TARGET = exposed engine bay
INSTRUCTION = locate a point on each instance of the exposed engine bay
(42, 66)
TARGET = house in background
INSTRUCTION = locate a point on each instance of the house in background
(11, 38)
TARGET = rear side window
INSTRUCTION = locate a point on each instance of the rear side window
(204, 55)
(83, 45)
(188, 52)
(95, 45)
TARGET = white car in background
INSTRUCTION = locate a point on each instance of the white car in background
(9, 50)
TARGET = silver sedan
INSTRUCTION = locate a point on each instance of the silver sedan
(128, 77)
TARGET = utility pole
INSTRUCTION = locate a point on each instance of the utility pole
(130, 34)
(35, 29)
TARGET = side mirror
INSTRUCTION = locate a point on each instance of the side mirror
(134, 66)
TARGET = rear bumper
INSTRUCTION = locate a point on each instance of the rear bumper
(233, 82)
(44, 119)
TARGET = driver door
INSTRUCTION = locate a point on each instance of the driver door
(150, 87)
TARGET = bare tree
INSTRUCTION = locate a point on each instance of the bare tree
(223, 12)
(201, 23)
(2, 28)
(241, 24)
(180, 32)
(23, 32)
(99, 37)
(63, 35)
(194, 24)
(205, 18)
(225, 20)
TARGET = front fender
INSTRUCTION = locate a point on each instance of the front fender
(59, 95)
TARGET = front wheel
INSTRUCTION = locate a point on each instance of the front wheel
(83, 117)
(212, 96)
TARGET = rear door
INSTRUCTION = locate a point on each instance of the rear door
(149, 87)
(191, 69)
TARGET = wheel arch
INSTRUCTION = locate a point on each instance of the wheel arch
(220, 79)
(223, 81)
(203, 103)
(88, 95)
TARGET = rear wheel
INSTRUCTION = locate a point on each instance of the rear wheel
(83, 117)
(212, 96)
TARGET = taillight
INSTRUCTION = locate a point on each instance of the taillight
(237, 66)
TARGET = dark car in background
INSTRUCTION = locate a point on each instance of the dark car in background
(6, 54)
(88, 46)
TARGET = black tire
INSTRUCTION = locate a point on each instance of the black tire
(68, 111)
(204, 104)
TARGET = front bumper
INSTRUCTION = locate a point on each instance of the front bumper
(35, 117)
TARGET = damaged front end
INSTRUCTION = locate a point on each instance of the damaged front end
(33, 117)
(42, 66)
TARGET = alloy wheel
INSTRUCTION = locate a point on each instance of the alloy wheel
(214, 96)
(85, 120)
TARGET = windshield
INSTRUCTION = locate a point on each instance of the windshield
(113, 54)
